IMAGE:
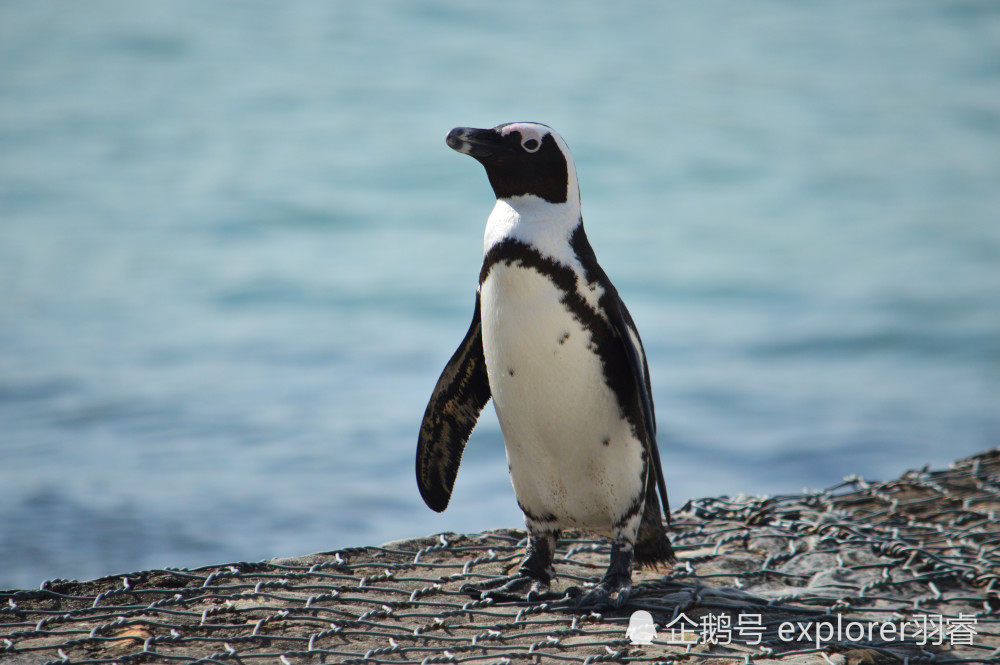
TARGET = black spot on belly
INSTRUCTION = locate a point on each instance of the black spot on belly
(565, 336)
(606, 441)
(510, 370)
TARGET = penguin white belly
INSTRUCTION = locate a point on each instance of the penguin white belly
(573, 458)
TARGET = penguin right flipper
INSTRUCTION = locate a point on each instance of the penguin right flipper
(458, 398)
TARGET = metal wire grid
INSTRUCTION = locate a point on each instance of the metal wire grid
(758, 580)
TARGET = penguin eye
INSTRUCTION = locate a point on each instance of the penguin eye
(531, 145)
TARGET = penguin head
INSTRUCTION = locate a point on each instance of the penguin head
(521, 159)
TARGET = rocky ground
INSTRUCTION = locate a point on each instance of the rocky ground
(864, 572)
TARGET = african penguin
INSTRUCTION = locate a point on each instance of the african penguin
(554, 346)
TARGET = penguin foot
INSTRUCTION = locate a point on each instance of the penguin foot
(532, 578)
(601, 595)
(509, 588)
(617, 580)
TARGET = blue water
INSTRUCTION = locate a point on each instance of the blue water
(235, 253)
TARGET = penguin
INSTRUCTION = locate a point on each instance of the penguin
(552, 343)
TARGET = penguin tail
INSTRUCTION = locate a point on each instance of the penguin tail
(652, 546)
(654, 550)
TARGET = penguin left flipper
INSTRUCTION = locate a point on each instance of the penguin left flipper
(627, 334)
(452, 412)
(626, 331)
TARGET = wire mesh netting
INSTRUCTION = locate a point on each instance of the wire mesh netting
(899, 571)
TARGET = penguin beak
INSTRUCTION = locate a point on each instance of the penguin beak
(478, 143)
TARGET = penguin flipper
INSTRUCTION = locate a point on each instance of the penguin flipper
(626, 331)
(452, 412)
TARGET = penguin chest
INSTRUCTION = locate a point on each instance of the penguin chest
(574, 460)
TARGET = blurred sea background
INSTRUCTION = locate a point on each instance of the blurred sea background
(235, 253)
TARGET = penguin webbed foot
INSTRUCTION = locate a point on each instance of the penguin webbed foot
(509, 588)
(617, 579)
(533, 576)
(601, 595)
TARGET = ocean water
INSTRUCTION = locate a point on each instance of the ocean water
(235, 253)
